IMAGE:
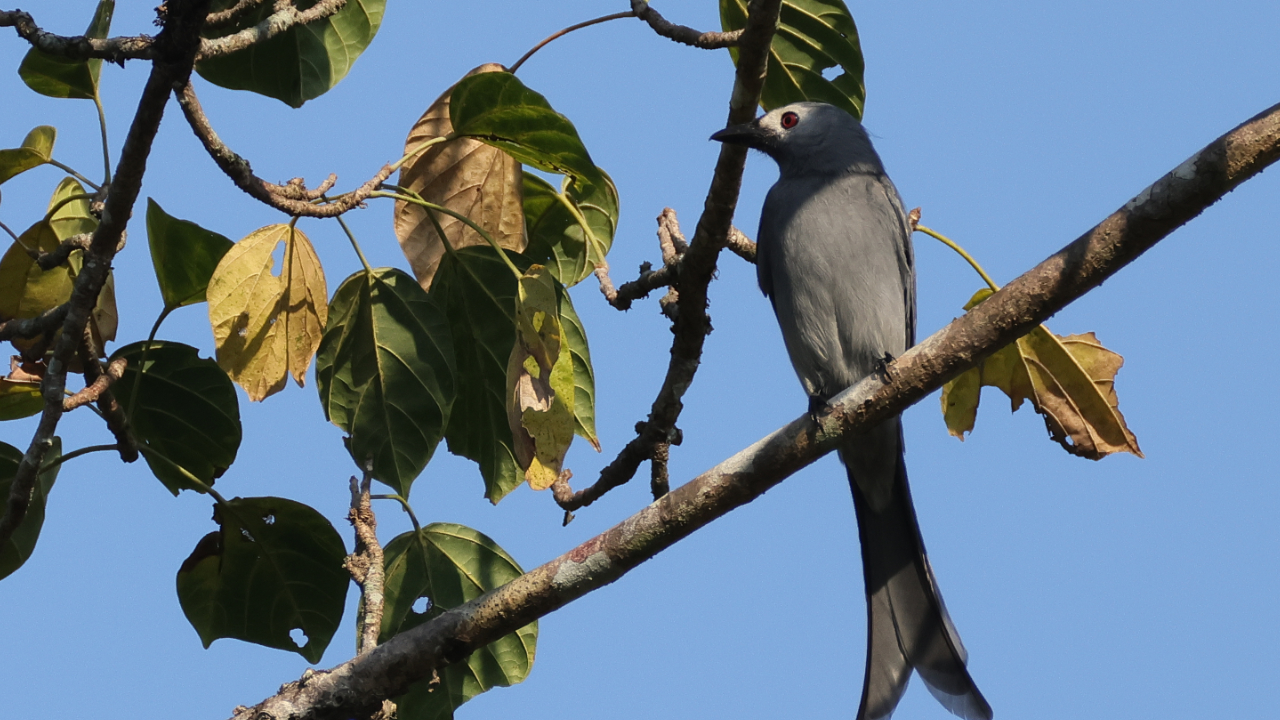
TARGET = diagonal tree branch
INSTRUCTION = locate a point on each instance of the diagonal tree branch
(175, 47)
(357, 686)
(286, 17)
(697, 266)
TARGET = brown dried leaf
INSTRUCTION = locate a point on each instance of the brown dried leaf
(1069, 380)
(465, 175)
(266, 325)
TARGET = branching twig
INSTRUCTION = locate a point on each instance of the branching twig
(293, 197)
(101, 383)
(683, 34)
(175, 47)
(697, 266)
(51, 260)
(365, 564)
(225, 17)
(360, 684)
(285, 17)
(79, 47)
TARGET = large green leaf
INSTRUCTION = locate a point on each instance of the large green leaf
(478, 291)
(449, 565)
(36, 150)
(812, 36)
(385, 371)
(61, 77)
(496, 108)
(556, 237)
(23, 541)
(184, 412)
(25, 289)
(274, 567)
(301, 63)
(184, 255)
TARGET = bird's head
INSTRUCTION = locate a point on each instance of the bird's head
(808, 138)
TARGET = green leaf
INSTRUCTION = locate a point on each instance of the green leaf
(23, 541)
(496, 108)
(36, 150)
(61, 77)
(452, 564)
(556, 238)
(274, 567)
(19, 400)
(386, 373)
(184, 413)
(301, 63)
(812, 36)
(478, 291)
(584, 381)
(184, 255)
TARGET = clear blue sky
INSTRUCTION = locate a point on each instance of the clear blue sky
(1117, 589)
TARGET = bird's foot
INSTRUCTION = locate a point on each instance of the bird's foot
(882, 367)
(817, 408)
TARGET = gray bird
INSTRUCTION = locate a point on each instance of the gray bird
(834, 256)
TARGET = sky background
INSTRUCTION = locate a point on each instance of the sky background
(1113, 589)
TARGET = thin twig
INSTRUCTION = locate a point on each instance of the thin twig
(741, 245)
(292, 198)
(93, 391)
(79, 47)
(27, 328)
(566, 31)
(51, 260)
(659, 482)
(286, 17)
(216, 20)
(682, 33)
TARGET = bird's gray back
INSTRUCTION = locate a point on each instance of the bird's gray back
(834, 256)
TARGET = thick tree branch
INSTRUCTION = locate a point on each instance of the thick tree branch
(293, 197)
(684, 34)
(360, 684)
(285, 18)
(79, 47)
(175, 48)
(698, 265)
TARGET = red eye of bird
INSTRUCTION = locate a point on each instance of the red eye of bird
(789, 120)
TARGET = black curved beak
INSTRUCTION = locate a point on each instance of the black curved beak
(748, 134)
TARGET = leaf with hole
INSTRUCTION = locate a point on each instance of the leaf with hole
(465, 175)
(61, 77)
(273, 568)
(184, 256)
(20, 545)
(301, 63)
(267, 326)
(496, 108)
(1069, 380)
(183, 410)
(449, 565)
(815, 38)
(36, 150)
(386, 373)
(557, 237)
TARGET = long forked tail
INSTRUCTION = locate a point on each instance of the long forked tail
(907, 622)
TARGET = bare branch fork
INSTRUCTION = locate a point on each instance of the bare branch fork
(358, 685)
(175, 48)
(697, 266)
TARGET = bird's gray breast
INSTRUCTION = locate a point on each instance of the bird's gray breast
(835, 258)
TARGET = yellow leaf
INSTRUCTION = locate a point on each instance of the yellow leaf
(267, 326)
(540, 382)
(1069, 380)
(466, 175)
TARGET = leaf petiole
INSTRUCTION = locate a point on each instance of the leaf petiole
(954, 246)
(455, 214)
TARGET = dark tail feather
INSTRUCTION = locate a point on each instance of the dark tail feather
(907, 622)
